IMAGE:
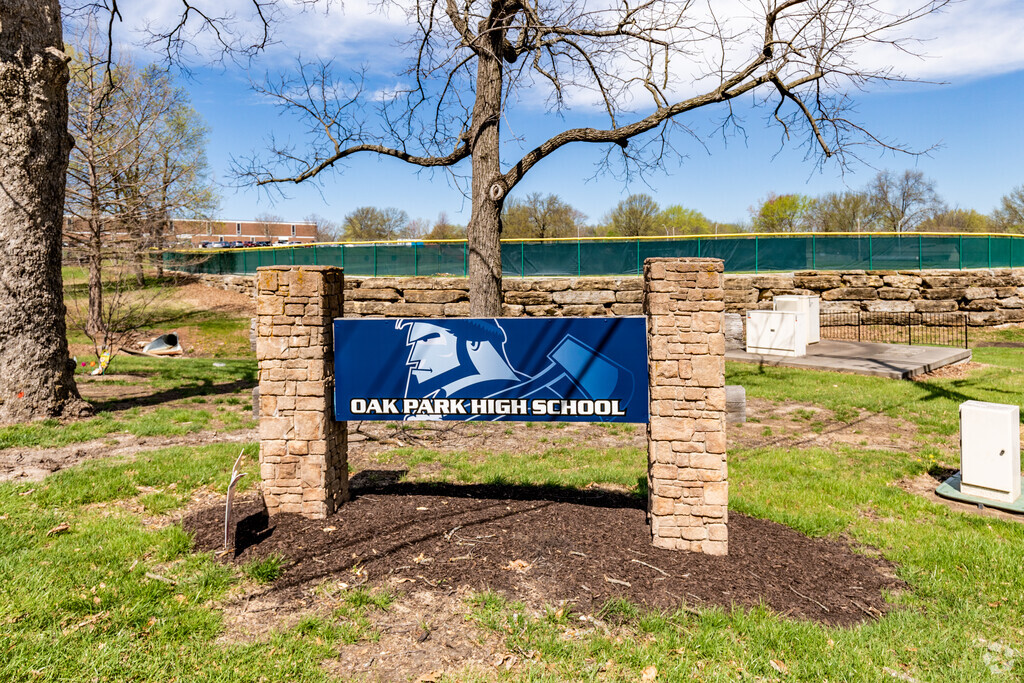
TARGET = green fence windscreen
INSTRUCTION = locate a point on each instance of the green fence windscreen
(741, 254)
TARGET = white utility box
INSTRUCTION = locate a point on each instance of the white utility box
(807, 305)
(990, 450)
(779, 333)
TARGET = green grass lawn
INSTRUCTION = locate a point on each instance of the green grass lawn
(207, 334)
(980, 335)
(78, 605)
(965, 604)
(931, 406)
(204, 396)
(82, 605)
(966, 590)
(178, 373)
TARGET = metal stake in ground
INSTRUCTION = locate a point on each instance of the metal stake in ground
(235, 476)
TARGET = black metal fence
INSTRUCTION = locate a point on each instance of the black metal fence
(922, 329)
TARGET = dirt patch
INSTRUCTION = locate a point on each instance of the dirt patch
(200, 297)
(34, 464)
(925, 484)
(954, 371)
(549, 546)
(794, 425)
(419, 637)
(424, 634)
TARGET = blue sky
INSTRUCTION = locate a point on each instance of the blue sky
(974, 118)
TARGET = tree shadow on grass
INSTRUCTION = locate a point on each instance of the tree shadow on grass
(952, 392)
(205, 388)
(958, 391)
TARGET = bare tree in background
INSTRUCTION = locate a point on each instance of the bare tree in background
(798, 56)
(903, 202)
(843, 212)
(139, 161)
(444, 229)
(417, 228)
(181, 187)
(957, 220)
(1009, 217)
(326, 229)
(802, 63)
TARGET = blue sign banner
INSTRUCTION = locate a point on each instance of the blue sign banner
(525, 369)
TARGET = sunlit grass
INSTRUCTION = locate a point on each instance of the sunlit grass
(116, 598)
(965, 591)
(931, 405)
(156, 422)
(78, 605)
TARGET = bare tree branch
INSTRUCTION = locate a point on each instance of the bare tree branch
(645, 65)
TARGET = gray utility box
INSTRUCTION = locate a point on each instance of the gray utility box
(806, 305)
(990, 450)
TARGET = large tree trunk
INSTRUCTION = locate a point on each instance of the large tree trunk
(484, 230)
(37, 379)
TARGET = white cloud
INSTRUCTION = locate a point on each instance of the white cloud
(325, 29)
(970, 39)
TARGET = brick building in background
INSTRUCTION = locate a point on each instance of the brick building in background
(188, 232)
(199, 231)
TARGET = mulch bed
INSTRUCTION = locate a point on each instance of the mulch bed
(545, 546)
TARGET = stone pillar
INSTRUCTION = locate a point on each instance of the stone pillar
(686, 472)
(303, 450)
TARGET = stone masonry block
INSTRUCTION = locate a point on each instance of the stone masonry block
(716, 493)
(661, 505)
(715, 547)
(715, 442)
(709, 371)
(671, 429)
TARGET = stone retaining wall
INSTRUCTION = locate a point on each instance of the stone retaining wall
(990, 297)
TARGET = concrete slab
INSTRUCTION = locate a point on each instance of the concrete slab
(951, 489)
(894, 361)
